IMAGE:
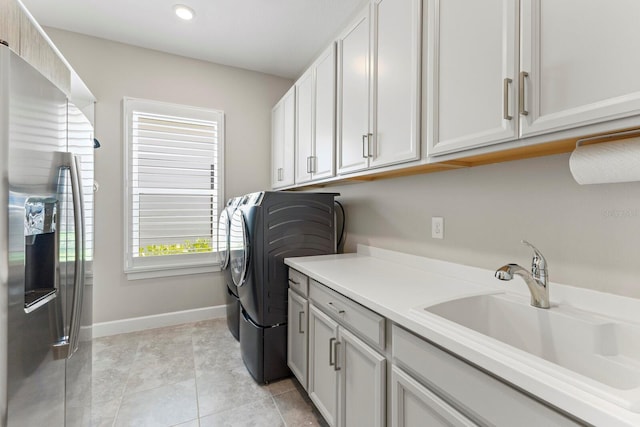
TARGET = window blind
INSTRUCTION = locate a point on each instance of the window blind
(174, 185)
(80, 141)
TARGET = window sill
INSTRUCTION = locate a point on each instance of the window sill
(156, 272)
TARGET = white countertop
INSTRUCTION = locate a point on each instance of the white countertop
(393, 283)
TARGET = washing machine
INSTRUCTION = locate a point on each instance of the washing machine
(266, 228)
(232, 301)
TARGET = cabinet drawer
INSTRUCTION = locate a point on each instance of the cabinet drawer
(298, 282)
(480, 396)
(365, 323)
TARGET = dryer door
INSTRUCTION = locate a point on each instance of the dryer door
(238, 248)
(223, 239)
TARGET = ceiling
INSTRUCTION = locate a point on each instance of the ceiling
(279, 37)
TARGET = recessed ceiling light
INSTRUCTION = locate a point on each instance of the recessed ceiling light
(184, 12)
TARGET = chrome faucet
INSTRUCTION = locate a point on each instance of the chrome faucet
(537, 280)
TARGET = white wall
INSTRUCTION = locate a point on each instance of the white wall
(590, 235)
(113, 70)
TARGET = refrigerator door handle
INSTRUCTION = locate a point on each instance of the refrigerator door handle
(78, 284)
(68, 345)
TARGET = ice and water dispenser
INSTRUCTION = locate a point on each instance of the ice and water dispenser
(41, 251)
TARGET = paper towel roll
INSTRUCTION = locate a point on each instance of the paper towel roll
(610, 162)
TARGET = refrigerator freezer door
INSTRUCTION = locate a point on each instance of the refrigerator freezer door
(35, 132)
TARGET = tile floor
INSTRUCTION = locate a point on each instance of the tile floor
(189, 375)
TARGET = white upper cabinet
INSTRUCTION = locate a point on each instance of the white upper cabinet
(471, 74)
(325, 114)
(572, 68)
(353, 95)
(396, 82)
(581, 60)
(283, 141)
(315, 118)
(379, 80)
(304, 127)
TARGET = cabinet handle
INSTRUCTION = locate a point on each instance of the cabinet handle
(300, 314)
(369, 147)
(365, 145)
(332, 361)
(505, 99)
(280, 174)
(335, 356)
(523, 76)
(294, 282)
(313, 161)
(334, 308)
(308, 168)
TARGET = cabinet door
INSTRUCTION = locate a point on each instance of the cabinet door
(353, 96)
(10, 14)
(297, 337)
(277, 145)
(413, 405)
(323, 376)
(325, 113)
(471, 74)
(396, 77)
(283, 140)
(304, 127)
(579, 60)
(362, 385)
(289, 138)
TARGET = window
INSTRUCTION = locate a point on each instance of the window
(173, 188)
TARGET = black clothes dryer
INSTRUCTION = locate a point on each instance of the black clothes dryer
(232, 301)
(267, 227)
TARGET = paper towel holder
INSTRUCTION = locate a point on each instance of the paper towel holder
(607, 136)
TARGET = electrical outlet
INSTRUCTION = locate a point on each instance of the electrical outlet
(437, 227)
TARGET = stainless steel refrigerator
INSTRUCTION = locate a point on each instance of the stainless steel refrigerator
(45, 360)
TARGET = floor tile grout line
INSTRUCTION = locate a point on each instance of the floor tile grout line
(135, 359)
(122, 392)
(195, 377)
(273, 398)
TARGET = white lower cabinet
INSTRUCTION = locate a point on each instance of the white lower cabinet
(297, 335)
(361, 382)
(413, 405)
(346, 376)
(323, 373)
(348, 364)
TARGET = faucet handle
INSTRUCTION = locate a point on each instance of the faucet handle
(538, 263)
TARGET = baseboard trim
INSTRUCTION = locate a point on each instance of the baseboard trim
(134, 324)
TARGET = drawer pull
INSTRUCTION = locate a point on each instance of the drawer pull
(334, 308)
(335, 356)
(293, 282)
(332, 361)
(300, 322)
